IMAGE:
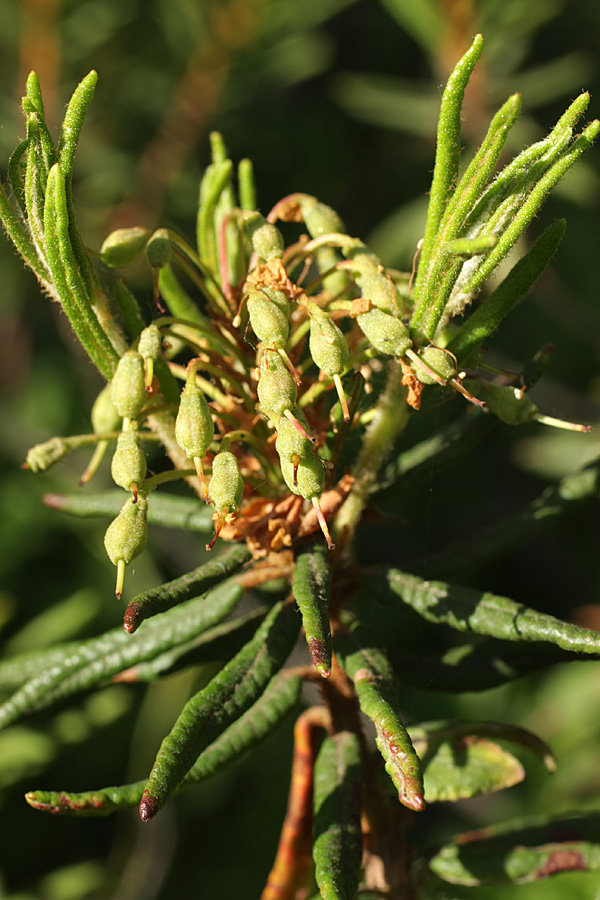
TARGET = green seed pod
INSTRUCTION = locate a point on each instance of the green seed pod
(226, 486)
(149, 344)
(276, 388)
(291, 442)
(364, 261)
(225, 490)
(386, 333)
(307, 479)
(159, 249)
(105, 417)
(328, 346)
(278, 298)
(380, 290)
(127, 389)
(442, 363)
(511, 406)
(124, 246)
(267, 240)
(194, 429)
(128, 467)
(320, 218)
(126, 536)
(268, 322)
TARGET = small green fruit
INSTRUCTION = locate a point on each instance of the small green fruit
(128, 389)
(124, 246)
(276, 388)
(226, 487)
(128, 467)
(386, 333)
(126, 536)
(269, 323)
(267, 240)
(442, 363)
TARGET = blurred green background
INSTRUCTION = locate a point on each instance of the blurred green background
(337, 98)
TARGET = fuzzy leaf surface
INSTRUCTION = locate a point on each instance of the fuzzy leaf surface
(337, 847)
(469, 610)
(280, 697)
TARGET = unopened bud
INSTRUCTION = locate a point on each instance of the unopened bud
(225, 490)
(269, 323)
(126, 536)
(128, 467)
(127, 389)
(124, 246)
(293, 437)
(267, 240)
(384, 332)
(439, 366)
(276, 388)
(328, 346)
(194, 428)
(320, 218)
(159, 249)
(307, 478)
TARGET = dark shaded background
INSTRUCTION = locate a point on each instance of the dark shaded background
(337, 98)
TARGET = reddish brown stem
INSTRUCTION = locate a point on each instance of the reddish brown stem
(293, 853)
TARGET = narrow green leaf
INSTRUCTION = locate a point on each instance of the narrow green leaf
(96, 661)
(311, 587)
(467, 247)
(67, 278)
(179, 302)
(521, 852)
(437, 286)
(168, 510)
(216, 179)
(130, 310)
(337, 847)
(73, 122)
(532, 205)
(254, 726)
(35, 184)
(237, 686)
(16, 174)
(22, 239)
(246, 185)
(196, 582)
(447, 155)
(218, 644)
(33, 102)
(519, 281)
(373, 678)
(467, 609)
(16, 670)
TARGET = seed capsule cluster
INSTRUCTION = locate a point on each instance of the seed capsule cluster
(279, 327)
(127, 535)
(287, 320)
